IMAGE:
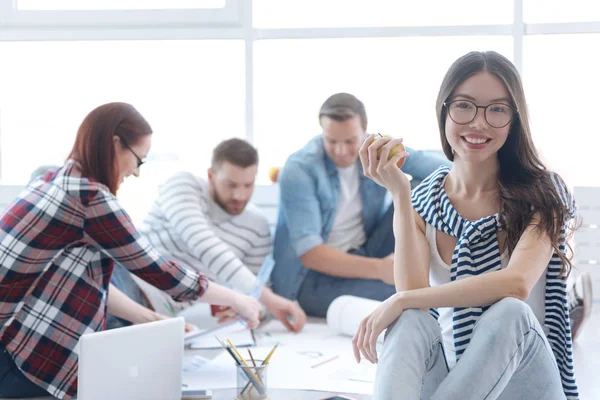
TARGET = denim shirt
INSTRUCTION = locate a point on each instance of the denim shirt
(309, 188)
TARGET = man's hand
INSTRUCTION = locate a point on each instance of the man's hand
(386, 269)
(225, 314)
(285, 310)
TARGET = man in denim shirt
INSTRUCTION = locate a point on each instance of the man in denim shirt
(334, 231)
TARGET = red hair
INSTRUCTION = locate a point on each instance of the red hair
(94, 148)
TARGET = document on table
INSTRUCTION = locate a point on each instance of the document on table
(235, 331)
(194, 363)
(292, 369)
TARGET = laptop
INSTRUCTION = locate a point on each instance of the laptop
(137, 362)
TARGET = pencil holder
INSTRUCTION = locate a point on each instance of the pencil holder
(252, 381)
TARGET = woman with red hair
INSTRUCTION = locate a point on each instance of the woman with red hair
(59, 241)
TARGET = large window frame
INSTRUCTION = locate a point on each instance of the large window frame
(13, 17)
(234, 21)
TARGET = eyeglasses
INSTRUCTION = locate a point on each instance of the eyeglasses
(140, 162)
(497, 115)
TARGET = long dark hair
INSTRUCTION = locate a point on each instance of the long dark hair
(526, 186)
(94, 147)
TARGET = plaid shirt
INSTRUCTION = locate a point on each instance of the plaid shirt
(58, 243)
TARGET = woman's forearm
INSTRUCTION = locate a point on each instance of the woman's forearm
(219, 295)
(411, 269)
(120, 305)
(479, 290)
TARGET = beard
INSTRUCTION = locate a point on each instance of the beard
(230, 206)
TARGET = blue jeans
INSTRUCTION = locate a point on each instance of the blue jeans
(508, 358)
(319, 290)
(122, 280)
(13, 384)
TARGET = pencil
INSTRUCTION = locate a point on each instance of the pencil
(170, 309)
(360, 380)
(324, 361)
(229, 351)
(238, 353)
(252, 358)
(255, 368)
(270, 355)
(253, 337)
(220, 342)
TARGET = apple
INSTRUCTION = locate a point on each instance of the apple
(396, 149)
(273, 174)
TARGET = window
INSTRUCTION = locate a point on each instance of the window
(561, 85)
(117, 13)
(192, 88)
(360, 13)
(118, 4)
(191, 93)
(397, 79)
(544, 11)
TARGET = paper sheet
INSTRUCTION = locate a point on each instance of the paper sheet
(293, 363)
(314, 335)
(205, 339)
(290, 369)
(194, 363)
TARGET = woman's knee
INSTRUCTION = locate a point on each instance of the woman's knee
(511, 306)
(413, 322)
(409, 343)
(507, 312)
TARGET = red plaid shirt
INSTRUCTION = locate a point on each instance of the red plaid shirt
(58, 244)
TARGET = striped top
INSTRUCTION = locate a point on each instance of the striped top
(59, 241)
(477, 252)
(187, 225)
(439, 274)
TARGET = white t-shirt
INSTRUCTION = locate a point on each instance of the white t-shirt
(348, 231)
(439, 274)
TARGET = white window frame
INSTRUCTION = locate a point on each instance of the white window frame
(11, 16)
(236, 23)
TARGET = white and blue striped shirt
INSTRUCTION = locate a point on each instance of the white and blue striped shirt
(477, 252)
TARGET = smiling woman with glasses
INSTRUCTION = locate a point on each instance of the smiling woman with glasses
(481, 259)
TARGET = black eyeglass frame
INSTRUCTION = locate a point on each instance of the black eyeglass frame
(140, 162)
(485, 108)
